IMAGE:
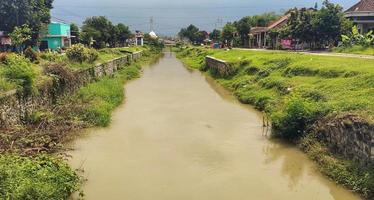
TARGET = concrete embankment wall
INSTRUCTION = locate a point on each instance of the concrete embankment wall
(219, 67)
(15, 106)
(350, 136)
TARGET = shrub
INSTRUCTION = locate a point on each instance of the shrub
(77, 53)
(92, 55)
(31, 54)
(251, 70)
(294, 119)
(279, 63)
(42, 177)
(20, 71)
(51, 56)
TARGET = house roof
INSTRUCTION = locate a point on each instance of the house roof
(280, 22)
(257, 30)
(362, 6)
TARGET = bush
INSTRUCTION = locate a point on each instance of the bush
(294, 119)
(31, 54)
(92, 55)
(103, 96)
(251, 70)
(77, 53)
(51, 56)
(20, 71)
(41, 178)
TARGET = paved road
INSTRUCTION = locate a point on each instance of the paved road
(319, 53)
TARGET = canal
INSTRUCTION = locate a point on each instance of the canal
(180, 136)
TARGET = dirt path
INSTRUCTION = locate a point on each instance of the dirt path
(317, 53)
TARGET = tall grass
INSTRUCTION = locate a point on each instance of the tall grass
(105, 95)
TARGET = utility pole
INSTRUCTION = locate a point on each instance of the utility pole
(218, 24)
(151, 22)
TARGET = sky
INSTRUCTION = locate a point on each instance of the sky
(169, 16)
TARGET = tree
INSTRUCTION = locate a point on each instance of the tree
(34, 13)
(191, 33)
(243, 26)
(215, 35)
(263, 19)
(228, 33)
(123, 33)
(330, 23)
(75, 33)
(99, 29)
(300, 25)
(20, 36)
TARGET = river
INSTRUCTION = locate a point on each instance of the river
(180, 136)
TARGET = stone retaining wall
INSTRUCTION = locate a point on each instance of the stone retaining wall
(219, 67)
(15, 107)
(350, 136)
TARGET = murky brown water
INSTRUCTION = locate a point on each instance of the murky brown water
(180, 136)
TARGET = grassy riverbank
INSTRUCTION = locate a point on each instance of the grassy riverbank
(17, 71)
(295, 91)
(355, 50)
(28, 169)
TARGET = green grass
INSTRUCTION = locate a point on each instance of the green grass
(42, 177)
(105, 95)
(355, 50)
(45, 59)
(338, 84)
(102, 97)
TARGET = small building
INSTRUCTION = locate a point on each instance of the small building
(153, 35)
(266, 37)
(139, 38)
(58, 36)
(362, 15)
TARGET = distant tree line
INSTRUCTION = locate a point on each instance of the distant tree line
(318, 27)
(26, 22)
(99, 32)
(30, 16)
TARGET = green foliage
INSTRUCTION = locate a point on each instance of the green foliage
(192, 33)
(105, 95)
(33, 13)
(79, 53)
(20, 71)
(42, 177)
(92, 55)
(355, 38)
(318, 27)
(215, 35)
(75, 33)
(100, 32)
(293, 120)
(228, 33)
(31, 54)
(20, 35)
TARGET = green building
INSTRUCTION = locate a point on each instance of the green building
(58, 36)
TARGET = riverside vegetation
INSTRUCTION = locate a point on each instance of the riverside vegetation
(31, 165)
(295, 91)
